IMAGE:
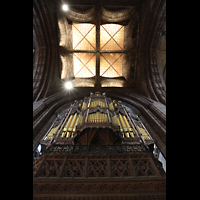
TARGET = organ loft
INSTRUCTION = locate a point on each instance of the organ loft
(98, 149)
(99, 100)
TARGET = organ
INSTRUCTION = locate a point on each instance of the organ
(97, 111)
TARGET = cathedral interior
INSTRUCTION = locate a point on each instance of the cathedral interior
(99, 99)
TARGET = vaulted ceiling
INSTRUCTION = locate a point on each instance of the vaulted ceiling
(144, 47)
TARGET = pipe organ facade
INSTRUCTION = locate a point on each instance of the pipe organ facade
(97, 146)
(97, 110)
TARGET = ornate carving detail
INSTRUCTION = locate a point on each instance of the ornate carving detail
(68, 176)
(73, 168)
(121, 168)
(97, 166)
(98, 108)
(97, 149)
(133, 189)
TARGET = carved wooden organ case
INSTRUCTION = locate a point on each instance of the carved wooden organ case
(98, 151)
(97, 120)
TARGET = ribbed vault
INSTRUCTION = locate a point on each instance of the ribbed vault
(143, 60)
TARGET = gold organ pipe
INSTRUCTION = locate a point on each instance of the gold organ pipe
(121, 128)
(131, 133)
(127, 134)
(95, 117)
(123, 125)
(69, 121)
(100, 116)
(122, 121)
(88, 120)
(77, 119)
(73, 121)
(126, 122)
(111, 106)
(128, 126)
(144, 134)
(146, 130)
(106, 117)
(80, 120)
(71, 125)
(84, 106)
(50, 134)
(98, 102)
(67, 125)
(91, 117)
